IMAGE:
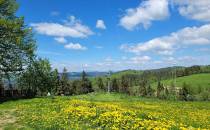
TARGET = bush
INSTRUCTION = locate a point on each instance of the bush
(205, 96)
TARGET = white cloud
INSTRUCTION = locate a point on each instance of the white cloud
(100, 24)
(75, 46)
(166, 45)
(194, 9)
(72, 28)
(145, 13)
(60, 39)
(140, 59)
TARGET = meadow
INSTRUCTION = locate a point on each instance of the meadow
(195, 81)
(103, 111)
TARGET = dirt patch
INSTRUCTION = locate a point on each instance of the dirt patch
(7, 117)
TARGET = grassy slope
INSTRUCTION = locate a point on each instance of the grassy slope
(126, 72)
(196, 80)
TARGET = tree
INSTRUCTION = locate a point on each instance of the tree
(1, 88)
(86, 85)
(124, 84)
(143, 85)
(100, 83)
(160, 89)
(37, 78)
(150, 91)
(55, 81)
(16, 41)
(184, 93)
(115, 86)
(64, 81)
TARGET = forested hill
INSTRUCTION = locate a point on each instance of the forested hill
(164, 73)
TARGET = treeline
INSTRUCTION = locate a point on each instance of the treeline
(140, 84)
(41, 79)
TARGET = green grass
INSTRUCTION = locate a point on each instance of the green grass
(195, 81)
(193, 114)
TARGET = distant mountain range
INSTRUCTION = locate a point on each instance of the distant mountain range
(77, 75)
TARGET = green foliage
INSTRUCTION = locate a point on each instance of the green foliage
(184, 93)
(16, 40)
(64, 86)
(100, 83)
(143, 88)
(86, 85)
(124, 84)
(160, 90)
(37, 78)
(205, 96)
(150, 91)
(55, 81)
(194, 81)
(115, 85)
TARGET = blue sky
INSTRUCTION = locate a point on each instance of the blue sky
(101, 35)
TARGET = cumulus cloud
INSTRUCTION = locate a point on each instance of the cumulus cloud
(100, 24)
(144, 14)
(75, 46)
(60, 39)
(72, 28)
(194, 9)
(166, 45)
(140, 59)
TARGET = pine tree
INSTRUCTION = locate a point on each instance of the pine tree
(115, 86)
(100, 83)
(86, 85)
(149, 91)
(55, 81)
(124, 84)
(160, 89)
(16, 40)
(143, 90)
(64, 81)
(184, 92)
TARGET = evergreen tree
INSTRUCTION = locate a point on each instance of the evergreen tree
(115, 86)
(16, 41)
(124, 84)
(150, 91)
(100, 83)
(184, 92)
(143, 90)
(160, 89)
(64, 81)
(55, 81)
(86, 85)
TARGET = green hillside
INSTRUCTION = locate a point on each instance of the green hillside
(126, 72)
(194, 81)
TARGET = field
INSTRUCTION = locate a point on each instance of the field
(103, 111)
(195, 81)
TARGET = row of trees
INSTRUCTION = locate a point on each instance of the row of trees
(143, 88)
(40, 79)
